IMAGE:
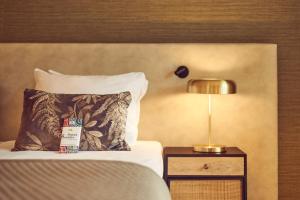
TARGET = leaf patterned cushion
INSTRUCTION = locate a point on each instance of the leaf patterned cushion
(104, 120)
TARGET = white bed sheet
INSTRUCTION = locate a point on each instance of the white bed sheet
(146, 153)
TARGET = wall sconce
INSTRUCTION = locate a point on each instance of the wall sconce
(182, 71)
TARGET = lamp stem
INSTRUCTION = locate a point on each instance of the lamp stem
(209, 119)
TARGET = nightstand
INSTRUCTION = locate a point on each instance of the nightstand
(205, 176)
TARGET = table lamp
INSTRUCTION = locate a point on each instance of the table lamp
(210, 87)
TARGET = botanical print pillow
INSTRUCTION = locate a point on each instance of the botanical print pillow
(104, 120)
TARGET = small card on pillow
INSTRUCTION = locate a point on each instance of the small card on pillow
(71, 133)
(103, 120)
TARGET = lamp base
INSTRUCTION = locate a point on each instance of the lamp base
(209, 148)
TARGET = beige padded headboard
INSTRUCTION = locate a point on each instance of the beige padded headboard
(247, 119)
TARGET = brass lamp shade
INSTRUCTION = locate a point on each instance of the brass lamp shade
(211, 86)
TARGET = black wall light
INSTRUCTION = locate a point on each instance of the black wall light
(182, 71)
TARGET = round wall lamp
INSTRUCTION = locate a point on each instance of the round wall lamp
(182, 71)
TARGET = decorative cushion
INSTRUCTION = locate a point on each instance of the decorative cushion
(104, 119)
(134, 82)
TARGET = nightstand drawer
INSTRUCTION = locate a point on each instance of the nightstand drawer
(206, 189)
(206, 166)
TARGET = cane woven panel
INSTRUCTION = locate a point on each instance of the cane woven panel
(206, 189)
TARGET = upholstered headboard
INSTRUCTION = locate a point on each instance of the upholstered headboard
(247, 119)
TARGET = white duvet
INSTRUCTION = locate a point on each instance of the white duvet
(146, 153)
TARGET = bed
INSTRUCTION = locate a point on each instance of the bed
(79, 141)
(146, 153)
(134, 174)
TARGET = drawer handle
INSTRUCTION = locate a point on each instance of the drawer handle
(205, 166)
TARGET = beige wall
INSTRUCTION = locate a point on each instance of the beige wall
(247, 119)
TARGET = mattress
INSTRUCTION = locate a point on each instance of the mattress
(146, 153)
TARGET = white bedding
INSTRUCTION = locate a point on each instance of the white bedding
(146, 153)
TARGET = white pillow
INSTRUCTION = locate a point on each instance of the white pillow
(134, 82)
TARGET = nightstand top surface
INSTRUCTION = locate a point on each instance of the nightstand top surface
(188, 151)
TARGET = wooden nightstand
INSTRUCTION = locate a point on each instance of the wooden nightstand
(205, 176)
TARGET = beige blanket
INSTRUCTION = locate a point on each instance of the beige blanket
(79, 179)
